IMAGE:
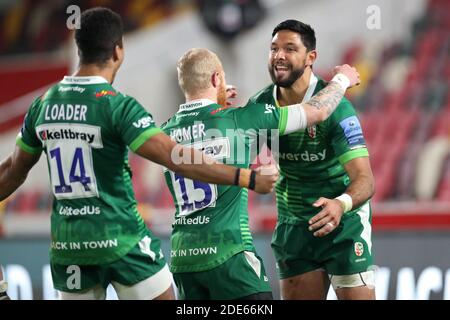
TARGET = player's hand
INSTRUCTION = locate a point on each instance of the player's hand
(350, 72)
(328, 218)
(231, 95)
(266, 177)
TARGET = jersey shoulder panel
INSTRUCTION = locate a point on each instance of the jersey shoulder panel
(263, 96)
(344, 110)
(258, 116)
(131, 121)
(169, 124)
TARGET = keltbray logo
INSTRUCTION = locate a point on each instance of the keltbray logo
(216, 148)
(143, 122)
(70, 133)
(359, 249)
(67, 134)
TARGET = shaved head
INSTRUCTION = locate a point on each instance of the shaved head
(195, 69)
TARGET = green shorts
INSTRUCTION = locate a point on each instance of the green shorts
(241, 275)
(132, 268)
(344, 251)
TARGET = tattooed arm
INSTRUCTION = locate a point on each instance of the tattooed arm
(322, 105)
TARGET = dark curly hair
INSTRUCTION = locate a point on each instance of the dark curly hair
(101, 31)
(305, 31)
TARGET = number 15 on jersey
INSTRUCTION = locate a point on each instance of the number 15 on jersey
(192, 195)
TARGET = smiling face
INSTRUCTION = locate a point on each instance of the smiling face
(288, 58)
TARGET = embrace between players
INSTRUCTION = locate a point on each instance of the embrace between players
(323, 233)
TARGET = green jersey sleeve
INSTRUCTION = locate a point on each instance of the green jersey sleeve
(259, 116)
(133, 123)
(27, 139)
(347, 136)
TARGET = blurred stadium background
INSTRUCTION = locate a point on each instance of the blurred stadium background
(401, 49)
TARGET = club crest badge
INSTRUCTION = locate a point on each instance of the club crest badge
(312, 131)
(359, 249)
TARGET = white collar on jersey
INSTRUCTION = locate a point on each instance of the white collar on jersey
(84, 80)
(309, 92)
(195, 104)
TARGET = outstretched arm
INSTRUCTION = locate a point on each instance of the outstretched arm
(14, 170)
(322, 105)
(193, 164)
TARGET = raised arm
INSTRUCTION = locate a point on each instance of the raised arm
(193, 164)
(322, 105)
(14, 170)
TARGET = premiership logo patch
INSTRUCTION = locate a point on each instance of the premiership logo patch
(312, 131)
(359, 249)
(353, 132)
(105, 93)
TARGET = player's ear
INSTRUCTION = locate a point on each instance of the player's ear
(311, 57)
(118, 53)
(215, 79)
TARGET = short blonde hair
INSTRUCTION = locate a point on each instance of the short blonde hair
(195, 69)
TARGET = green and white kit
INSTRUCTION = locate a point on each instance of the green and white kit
(211, 221)
(312, 166)
(85, 128)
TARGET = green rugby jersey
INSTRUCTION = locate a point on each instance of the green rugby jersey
(311, 161)
(85, 126)
(211, 221)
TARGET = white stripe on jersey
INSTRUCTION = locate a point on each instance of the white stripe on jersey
(296, 119)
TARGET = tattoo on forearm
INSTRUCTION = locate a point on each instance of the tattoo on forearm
(329, 97)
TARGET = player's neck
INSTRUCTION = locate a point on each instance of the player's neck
(92, 70)
(295, 93)
(207, 94)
